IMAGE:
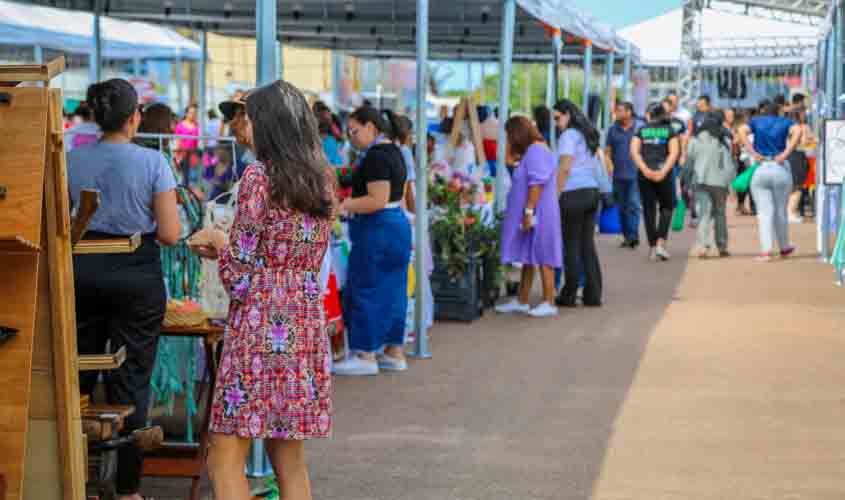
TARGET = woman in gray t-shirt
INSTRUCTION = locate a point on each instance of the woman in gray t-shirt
(121, 297)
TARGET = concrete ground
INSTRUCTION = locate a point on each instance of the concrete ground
(715, 379)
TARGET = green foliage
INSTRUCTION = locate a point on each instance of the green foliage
(457, 232)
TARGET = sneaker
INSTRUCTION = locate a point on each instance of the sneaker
(763, 258)
(794, 219)
(543, 310)
(356, 366)
(652, 254)
(662, 254)
(786, 252)
(634, 244)
(724, 254)
(625, 244)
(511, 307)
(391, 364)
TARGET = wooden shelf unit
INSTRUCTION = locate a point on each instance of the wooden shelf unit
(42, 448)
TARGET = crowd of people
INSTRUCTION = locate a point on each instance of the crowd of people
(280, 158)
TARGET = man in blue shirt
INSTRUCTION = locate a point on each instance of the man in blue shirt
(626, 193)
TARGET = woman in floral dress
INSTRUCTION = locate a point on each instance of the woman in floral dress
(274, 380)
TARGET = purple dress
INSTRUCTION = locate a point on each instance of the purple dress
(542, 245)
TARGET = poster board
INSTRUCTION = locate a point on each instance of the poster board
(834, 152)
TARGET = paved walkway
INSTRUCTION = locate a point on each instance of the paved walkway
(718, 379)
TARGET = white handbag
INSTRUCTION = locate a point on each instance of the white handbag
(213, 296)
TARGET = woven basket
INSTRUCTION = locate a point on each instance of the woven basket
(175, 316)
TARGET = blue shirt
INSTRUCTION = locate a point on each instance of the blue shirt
(332, 150)
(770, 134)
(583, 173)
(619, 141)
(128, 176)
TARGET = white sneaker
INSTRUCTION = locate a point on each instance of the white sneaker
(543, 310)
(652, 254)
(662, 254)
(511, 307)
(793, 219)
(391, 364)
(356, 366)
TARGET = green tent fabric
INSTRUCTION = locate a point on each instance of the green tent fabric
(838, 257)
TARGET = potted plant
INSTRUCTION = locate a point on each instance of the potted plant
(465, 247)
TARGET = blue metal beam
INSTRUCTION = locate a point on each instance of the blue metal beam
(266, 27)
(421, 349)
(506, 54)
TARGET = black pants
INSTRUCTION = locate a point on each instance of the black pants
(653, 194)
(578, 218)
(740, 197)
(121, 298)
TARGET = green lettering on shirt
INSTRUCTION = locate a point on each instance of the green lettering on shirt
(655, 133)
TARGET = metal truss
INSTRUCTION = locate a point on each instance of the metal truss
(694, 49)
(758, 48)
(810, 12)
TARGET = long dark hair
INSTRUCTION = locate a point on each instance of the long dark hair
(113, 102)
(543, 118)
(579, 122)
(385, 121)
(286, 141)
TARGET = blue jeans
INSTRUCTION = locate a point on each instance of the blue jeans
(627, 197)
(375, 298)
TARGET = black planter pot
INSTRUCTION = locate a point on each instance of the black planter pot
(458, 298)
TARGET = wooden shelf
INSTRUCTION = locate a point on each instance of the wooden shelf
(17, 244)
(14, 74)
(88, 362)
(127, 245)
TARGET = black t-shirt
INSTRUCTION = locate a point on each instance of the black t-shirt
(382, 162)
(655, 138)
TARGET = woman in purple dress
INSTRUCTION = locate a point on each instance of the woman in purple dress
(531, 229)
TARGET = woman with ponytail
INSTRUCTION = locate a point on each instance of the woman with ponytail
(375, 301)
(120, 298)
(578, 185)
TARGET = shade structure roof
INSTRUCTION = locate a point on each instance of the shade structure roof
(728, 39)
(73, 32)
(458, 29)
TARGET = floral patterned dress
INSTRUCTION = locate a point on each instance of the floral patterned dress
(274, 379)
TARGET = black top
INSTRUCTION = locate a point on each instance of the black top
(382, 162)
(655, 138)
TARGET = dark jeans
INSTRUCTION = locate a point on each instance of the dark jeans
(652, 194)
(578, 217)
(121, 298)
(740, 197)
(627, 197)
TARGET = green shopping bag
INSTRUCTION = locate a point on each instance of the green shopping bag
(742, 183)
(679, 216)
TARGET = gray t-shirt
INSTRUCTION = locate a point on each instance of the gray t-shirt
(127, 176)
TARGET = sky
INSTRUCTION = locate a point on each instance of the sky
(621, 13)
(616, 13)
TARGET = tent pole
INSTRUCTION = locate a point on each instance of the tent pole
(482, 98)
(266, 25)
(506, 49)
(626, 72)
(38, 53)
(588, 71)
(608, 62)
(96, 56)
(180, 93)
(203, 83)
(136, 67)
(421, 349)
(557, 46)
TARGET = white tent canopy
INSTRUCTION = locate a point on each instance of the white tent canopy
(659, 40)
(72, 32)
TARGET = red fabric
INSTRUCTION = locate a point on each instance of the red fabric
(490, 149)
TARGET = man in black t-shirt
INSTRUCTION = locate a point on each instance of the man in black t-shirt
(655, 149)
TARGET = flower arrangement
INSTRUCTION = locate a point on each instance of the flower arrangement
(458, 232)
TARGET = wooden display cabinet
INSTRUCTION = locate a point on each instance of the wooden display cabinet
(42, 448)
